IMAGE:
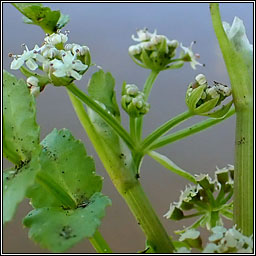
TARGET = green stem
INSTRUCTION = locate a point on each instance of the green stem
(108, 118)
(99, 243)
(146, 90)
(133, 129)
(149, 83)
(165, 128)
(242, 90)
(148, 220)
(189, 130)
(127, 185)
(167, 163)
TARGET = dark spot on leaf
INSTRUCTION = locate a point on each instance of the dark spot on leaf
(66, 232)
(64, 136)
(137, 176)
(62, 172)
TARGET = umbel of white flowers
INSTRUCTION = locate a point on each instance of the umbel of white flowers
(58, 60)
(157, 52)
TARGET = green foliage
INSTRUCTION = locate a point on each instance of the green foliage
(20, 130)
(66, 195)
(16, 182)
(101, 89)
(58, 229)
(20, 142)
(35, 13)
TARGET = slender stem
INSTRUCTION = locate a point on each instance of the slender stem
(149, 83)
(165, 128)
(108, 118)
(99, 243)
(133, 128)
(127, 185)
(146, 90)
(167, 163)
(189, 130)
(242, 90)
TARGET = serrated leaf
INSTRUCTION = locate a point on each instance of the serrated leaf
(16, 182)
(68, 174)
(57, 229)
(50, 21)
(101, 88)
(20, 130)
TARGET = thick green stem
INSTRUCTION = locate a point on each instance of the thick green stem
(189, 130)
(242, 90)
(148, 220)
(99, 243)
(165, 128)
(108, 118)
(127, 185)
(146, 90)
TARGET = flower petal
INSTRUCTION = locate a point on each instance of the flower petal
(31, 64)
(17, 63)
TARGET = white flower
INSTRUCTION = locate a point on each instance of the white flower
(29, 57)
(68, 66)
(32, 81)
(188, 55)
(143, 35)
(201, 79)
(79, 50)
(49, 51)
(135, 49)
(58, 38)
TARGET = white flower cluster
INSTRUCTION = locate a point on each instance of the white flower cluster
(150, 41)
(160, 51)
(53, 57)
(231, 240)
(133, 101)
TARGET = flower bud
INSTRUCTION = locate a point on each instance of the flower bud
(133, 101)
(201, 98)
(32, 81)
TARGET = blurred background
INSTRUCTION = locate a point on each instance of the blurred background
(106, 28)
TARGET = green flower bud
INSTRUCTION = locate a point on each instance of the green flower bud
(154, 51)
(133, 101)
(201, 98)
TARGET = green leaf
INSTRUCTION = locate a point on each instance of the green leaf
(67, 175)
(66, 194)
(50, 21)
(101, 88)
(16, 182)
(20, 130)
(57, 229)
